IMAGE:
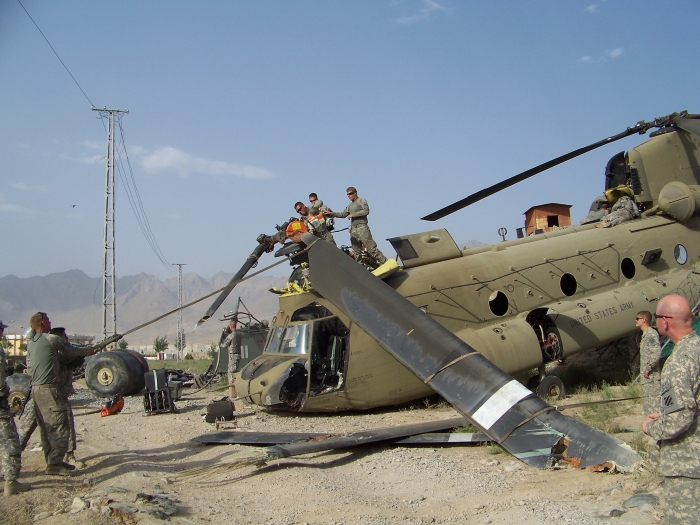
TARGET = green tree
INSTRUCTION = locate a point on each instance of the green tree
(213, 348)
(123, 344)
(160, 344)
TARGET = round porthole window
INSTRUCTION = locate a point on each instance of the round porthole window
(627, 267)
(681, 254)
(568, 284)
(498, 303)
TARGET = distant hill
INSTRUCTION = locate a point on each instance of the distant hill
(74, 300)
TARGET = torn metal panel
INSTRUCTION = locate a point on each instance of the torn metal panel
(484, 394)
(280, 438)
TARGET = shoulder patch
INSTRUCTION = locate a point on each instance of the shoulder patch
(670, 402)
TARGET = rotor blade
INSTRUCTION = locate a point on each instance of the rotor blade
(500, 406)
(482, 194)
(691, 125)
(249, 263)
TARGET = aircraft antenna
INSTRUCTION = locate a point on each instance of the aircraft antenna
(109, 305)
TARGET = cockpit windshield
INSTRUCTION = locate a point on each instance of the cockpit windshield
(292, 339)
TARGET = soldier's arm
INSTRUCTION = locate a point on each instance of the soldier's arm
(340, 214)
(4, 391)
(364, 208)
(678, 407)
(68, 351)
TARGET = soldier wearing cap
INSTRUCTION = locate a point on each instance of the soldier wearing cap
(315, 222)
(9, 440)
(675, 423)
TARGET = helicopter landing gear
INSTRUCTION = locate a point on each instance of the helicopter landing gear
(550, 387)
(546, 387)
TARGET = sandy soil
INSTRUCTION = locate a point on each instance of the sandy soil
(128, 454)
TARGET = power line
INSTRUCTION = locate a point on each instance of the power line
(54, 52)
(135, 202)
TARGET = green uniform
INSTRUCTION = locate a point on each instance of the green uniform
(360, 235)
(649, 357)
(45, 352)
(676, 429)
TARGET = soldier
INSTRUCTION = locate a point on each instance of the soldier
(231, 342)
(9, 440)
(357, 211)
(649, 362)
(44, 351)
(624, 209)
(316, 205)
(316, 225)
(675, 424)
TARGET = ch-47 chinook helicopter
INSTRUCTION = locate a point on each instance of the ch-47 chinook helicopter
(520, 303)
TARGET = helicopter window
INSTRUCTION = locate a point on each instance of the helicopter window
(568, 284)
(295, 339)
(273, 339)
(498, 303)
(681, 254)
(311, 311)
(627, 267)
(404, 249)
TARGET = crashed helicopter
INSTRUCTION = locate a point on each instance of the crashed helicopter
(521, 303)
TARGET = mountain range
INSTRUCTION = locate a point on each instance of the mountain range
(74, 300)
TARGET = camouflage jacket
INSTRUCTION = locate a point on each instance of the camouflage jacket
(359, 209)
(650, 351)
(676, 429)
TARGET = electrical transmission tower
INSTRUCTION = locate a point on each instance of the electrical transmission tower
(180, 340)
(109, 304)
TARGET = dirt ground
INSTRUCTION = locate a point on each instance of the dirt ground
(129, 454)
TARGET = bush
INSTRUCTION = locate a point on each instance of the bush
(189, 356)
(213, 348)
(123, 344)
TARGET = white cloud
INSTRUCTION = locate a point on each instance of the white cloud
(13, 208)
(94, 144)
(423, 13)
(21, 186)
(173, 159)
(614, 53)
(591, 9)
(584, 58)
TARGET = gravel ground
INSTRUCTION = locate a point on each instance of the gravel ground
(378, 485)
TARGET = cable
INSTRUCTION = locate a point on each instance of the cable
(54, 52)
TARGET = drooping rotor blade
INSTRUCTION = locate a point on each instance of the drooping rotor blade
(500, 406)
(249, 263)
(691, 125)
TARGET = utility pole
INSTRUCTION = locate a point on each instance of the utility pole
(109, 304)
(180, 340)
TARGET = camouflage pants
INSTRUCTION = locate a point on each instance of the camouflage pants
(682, 500)
(359, 236)
(233, 360)
(651, 390)
(27, 425)
(52, 417)
(9, 443)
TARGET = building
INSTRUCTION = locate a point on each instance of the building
(18, 343)
(545, 218)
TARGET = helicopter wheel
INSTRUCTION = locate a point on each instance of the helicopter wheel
(550, 387)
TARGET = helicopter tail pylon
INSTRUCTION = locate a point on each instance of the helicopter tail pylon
(500, 406)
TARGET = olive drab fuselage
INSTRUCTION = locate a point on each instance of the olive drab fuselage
(521, 303)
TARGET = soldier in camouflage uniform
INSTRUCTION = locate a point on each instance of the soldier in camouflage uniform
(649, 362)
(45, 351)
(625, 209)
(357, 211)
(316, 226)
(9, 441)
(231, 342)
(675, 424)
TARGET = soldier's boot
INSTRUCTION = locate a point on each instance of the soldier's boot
(72, 460)
(64, 469)
(15, 487)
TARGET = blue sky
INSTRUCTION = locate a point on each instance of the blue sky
(239, 109)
